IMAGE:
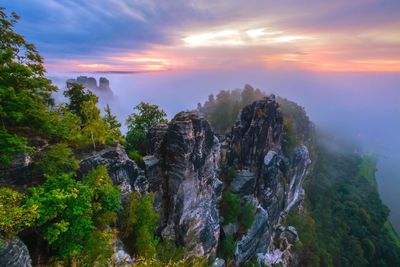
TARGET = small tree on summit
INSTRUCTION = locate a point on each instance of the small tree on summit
(139, 123)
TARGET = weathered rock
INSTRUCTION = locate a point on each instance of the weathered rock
(14, 254)
(256, 239)
(188, 153)
(243, 183)
(219, 263)
(104, 84)
(254, 149)
(123, 171)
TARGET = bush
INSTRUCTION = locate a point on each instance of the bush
(57, 160)
(15, 214)
(227, 175)
(230, 207)
(136, 156)
(227, 248)
(246, 215)
(138, 224)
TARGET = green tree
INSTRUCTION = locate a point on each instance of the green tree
(57, 160)
(140, 122)
(230, 207)
(105, 201)
(65, 213)
(9, 146)
(77, 96)
(139, 223)
(111, 119)
(15, 214)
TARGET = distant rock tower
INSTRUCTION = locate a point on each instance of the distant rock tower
(104, 84)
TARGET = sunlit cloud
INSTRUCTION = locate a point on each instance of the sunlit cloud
(250, 37)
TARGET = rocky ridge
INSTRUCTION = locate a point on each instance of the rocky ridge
(182, 169)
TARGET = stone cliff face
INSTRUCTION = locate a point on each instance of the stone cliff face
(264, 175)
(123, 171)
(187, 152)
(182, 170)
(14, 253)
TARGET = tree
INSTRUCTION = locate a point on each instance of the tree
(230, 207)
(65, 213)
(139, 124)
(139, 223)
(77, 96)
(105, 200)
(147, 116)
(111, 119)
(21, 66)
(15, 214)
(57, 160)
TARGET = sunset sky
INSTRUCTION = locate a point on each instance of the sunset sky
(113, 35)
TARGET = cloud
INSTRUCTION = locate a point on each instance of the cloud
(319, 35)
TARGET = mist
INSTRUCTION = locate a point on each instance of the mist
(363, 108)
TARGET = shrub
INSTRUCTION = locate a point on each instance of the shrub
(230, 207)
(246, 216)
(227, 248)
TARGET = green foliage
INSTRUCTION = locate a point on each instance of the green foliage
(113, 125)
(57, 160)
(98, 249)
(227, 248)
(111, 119)
(368, 169)
(290, 141)
(136, 156)
(222, 112)
(77, 96)
(139, 221)
(300, 123)
(70, 210)
(246, 215)
(146, 116)
(10, 145)
(345, 222)
(227, 175)
(65, 213)
(15, 214)
(169, 252)
(105, 201)
(230, 207)
(139, 123)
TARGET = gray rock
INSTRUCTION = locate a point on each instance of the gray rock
(219, 263)
(254, 146)
(243, 183)
(256, 239)
(14, 254)
(230, 229)
(123, 171)
(188, 155)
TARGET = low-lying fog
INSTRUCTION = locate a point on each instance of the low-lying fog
(364, 108)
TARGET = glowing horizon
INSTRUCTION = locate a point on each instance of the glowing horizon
(112, 35)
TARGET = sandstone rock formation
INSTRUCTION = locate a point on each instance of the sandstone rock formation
(123, 171)
(188, 153)
(14, 254)
(264, 174)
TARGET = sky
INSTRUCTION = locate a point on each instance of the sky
(149, 35)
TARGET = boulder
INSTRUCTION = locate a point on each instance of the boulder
(243, 183)
(123, 171)
(14, 253)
